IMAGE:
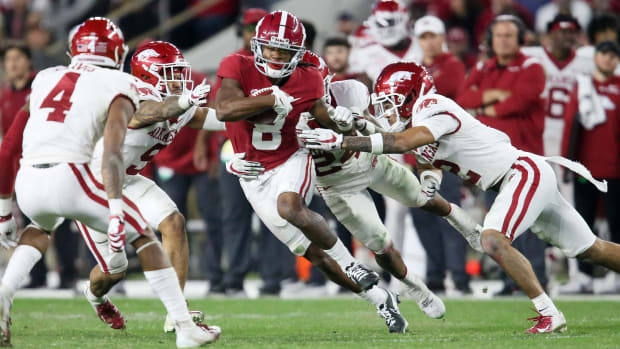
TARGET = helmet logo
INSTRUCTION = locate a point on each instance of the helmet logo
(399, 76)
(279, 41)
(146, 54)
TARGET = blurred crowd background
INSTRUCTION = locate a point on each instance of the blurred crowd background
(228, 244)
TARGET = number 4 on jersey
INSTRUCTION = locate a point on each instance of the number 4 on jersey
(59, 99)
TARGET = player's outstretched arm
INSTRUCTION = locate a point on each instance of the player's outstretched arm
(150, 112)
(231, 104)
(390, 142)
(120, 112)
(206, 119)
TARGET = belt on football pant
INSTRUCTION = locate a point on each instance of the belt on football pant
(45, 165)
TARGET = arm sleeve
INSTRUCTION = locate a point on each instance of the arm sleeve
(441, 124)
(11, 151)
(526, 91)
(470, 95)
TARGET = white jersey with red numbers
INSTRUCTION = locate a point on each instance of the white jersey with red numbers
(142, 144)
(561, 78)
(463, 145)
(373, 58)
(68, 111)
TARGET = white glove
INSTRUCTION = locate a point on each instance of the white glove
(283, 103)
(430, 182)
(343, 117)
(321, 139)
(8, 227)
(198, 96)
(244, 169)
(116, 234)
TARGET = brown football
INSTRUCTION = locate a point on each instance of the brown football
(266, 117)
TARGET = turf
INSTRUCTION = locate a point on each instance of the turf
(337, 323)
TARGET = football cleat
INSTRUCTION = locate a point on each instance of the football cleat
(196, 335)
(432, 306)
(362, 276)
(5, 321)
(389, 311)
(197, 317)
(110, 314)
(547, 323)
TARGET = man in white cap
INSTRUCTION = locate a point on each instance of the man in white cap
(445, 249)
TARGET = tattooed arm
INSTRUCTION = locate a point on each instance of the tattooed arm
(112, 169)
(392, 142)
(150, 112)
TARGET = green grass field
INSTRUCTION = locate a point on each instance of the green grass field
(337, 323)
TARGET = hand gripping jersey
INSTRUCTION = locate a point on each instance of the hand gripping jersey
(68, 111)
(142, 144)
(331, 165)
(269, 144)
(463, 145)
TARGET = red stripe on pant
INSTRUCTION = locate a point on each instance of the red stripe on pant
(132, 221)
(515, 200)
(87, 239)
(301, 190)
(310, 161)
(530, 193)
(101, 187)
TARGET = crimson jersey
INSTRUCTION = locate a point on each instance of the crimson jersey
(270, 144)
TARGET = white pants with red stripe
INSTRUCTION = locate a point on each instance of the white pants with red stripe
(353, 206)
(49, 195)
(295, 175)
(529, 198)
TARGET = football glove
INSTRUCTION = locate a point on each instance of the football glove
(8, 227)
(116, 234)
(247, 170)
(283, 103)
(196, 97)
(321, 139)
(343, 117)
(431, 183)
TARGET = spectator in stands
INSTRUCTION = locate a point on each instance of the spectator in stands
(247, 27)
(461, 14)
(39, 38)
(592, 137)
(336, 54)
(19, 74)
(577, 8)
(310, 34)
(459, 45)
(602, 28)
(500, 7)
(347, 24)
(503, 92)
(445, 247)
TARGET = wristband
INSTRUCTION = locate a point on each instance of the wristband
(376, 143)
(212, 123)
(6, 205)
(183, 101)
(116, 207)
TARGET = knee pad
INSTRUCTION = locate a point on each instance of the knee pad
(116, 263)
(378, 242)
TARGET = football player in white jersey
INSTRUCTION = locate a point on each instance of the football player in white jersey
(388, 26)
(162, 72)
(444, 135)
(55, 181)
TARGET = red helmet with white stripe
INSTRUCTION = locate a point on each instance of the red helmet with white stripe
(98, 41)
(159, 63)
(388, 22)
(397, 89)
(281, 30)
(315, 60)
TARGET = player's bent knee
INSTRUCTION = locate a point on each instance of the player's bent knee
(379, 244)
(289, 206)
(593, 253)
(493, 242)
(173, 226)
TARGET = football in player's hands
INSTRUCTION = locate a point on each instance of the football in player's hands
(266, 117)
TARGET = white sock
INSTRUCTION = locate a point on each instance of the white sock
(545, 305)
(460, 220)
(375, 296)
(341, 255)
(22, 261)
(94, 300)
(416, 286)
(166, 285)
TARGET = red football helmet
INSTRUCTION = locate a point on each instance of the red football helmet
(314, 59)
(282, 30)
(397, 89)
(160, 63)
(388, 22)
(98, 41)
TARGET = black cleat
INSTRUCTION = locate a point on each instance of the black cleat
(395, 322)
(362, 276)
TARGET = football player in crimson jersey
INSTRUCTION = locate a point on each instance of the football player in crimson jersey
(261, 99)
(444, 135)
(52, 152)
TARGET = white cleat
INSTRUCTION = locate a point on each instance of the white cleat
(196, 335)
(197, 317)
(5, 320)
(432, 306)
